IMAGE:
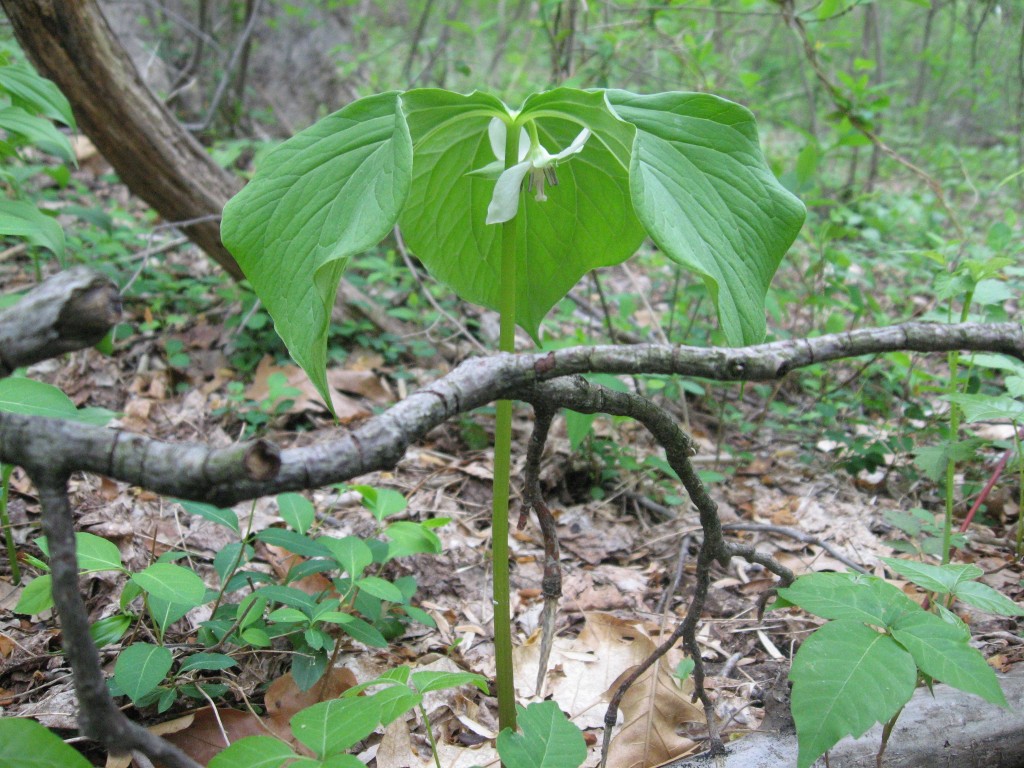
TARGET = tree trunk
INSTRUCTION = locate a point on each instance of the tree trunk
(70, 42)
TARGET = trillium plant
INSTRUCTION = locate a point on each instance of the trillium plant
(510, 208)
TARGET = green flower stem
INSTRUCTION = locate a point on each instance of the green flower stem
(502, 469)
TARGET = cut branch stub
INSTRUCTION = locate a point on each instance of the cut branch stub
(72, 310)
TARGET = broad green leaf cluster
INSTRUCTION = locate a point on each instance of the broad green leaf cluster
(862, 667)
(354, 600)
(597, 171)
(30, 106)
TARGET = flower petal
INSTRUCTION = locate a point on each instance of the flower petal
(576, 147)
(505, 200)
(496, 132)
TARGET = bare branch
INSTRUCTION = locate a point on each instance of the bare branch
(71, 310)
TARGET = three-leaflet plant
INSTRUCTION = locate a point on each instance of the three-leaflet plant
(509, 208)
(863, 665)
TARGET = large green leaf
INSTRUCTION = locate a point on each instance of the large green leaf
(987, 599)
(335, 725)
(942, 652)
(846, 677)
(171, 583)
(587, 220)
(988, 407)
(707, 198)
(329, 192)
(548, 739)
(854, 597)
(253, 752)
(36, 398)
(27, 744)
(140, 668)
(935, 578)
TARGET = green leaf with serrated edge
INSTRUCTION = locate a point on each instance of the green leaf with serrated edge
(253, 752)
(941, 650)
(297, 511)
(988, 407)
(171, 583)
(36, 596)
(140, 667)
(329, 192)
(335, 725)
(226, 517)
(856, 597)
(987, 599)
(846, 677)
(934, 578)
(427, 680)
(96, 553)
(25, 743)
(365, 633)
(707, 198)
(350, 552)
(548, 739)
(380, 588)
(586, 222)
(207, 661)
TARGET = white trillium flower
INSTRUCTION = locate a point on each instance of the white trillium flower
(533, 160)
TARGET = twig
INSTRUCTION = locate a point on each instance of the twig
(551, 583)
(804, 538)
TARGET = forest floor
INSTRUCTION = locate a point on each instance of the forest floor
(628, 549)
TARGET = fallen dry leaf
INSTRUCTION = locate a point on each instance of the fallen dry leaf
(281, 561)
(581, 670)
(308, 399)
(652, 709)
(283, 698)
(365, 383)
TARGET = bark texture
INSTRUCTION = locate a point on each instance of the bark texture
(72, 310)
(70, 42)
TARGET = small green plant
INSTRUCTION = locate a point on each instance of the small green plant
(258, 414)
(31, 105)
(863, 665)
(357, 601)
(924, 533)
